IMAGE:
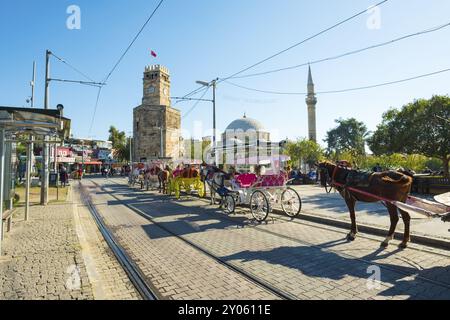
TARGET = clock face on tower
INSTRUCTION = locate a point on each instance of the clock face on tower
(151, 90)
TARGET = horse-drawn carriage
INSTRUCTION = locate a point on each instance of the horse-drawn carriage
(186, 178)
(156, 174)
(392, 188)
(137, 175)
(261, 190)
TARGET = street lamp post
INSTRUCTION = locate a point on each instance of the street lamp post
(213, 84)
(131, 148)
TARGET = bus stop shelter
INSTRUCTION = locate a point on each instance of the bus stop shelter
(28, 126)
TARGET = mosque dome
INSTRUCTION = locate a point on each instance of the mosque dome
(245, 124)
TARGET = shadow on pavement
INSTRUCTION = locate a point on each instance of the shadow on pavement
(321, 263)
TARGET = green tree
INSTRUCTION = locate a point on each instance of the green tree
(121, 144)
(118, 138)
(304, 150)
(348, 137)
(122, 152)
(418, 128)
(21, 149)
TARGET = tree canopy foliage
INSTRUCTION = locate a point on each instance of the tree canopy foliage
(421, 127)
(304, 150)
(348, 137)
(121, 144)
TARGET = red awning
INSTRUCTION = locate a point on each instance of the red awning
(93, 163)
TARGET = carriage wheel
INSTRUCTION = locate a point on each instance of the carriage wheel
(201, 190)
(170, 188)
(291, 203)
(177, 191)
(230, 204)
(259, 205)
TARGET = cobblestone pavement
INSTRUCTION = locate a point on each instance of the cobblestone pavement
(107, 277)
(308, 260)
(43, 258)
(59, 254)
(175, 269)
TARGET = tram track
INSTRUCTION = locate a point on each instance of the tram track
(247, 275)
(325, 249)
(146, 290)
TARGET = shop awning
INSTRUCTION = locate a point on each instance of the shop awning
(93, 163)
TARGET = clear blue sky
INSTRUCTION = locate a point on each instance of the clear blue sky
(204, 39)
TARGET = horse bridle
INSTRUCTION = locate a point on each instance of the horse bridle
(331, 180)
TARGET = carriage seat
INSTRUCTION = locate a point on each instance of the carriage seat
(359, 179)
(276, 180)
(176, 173)
(246, 180)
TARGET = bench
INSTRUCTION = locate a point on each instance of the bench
(7, 216)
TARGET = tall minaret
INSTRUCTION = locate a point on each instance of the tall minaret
(311, 101)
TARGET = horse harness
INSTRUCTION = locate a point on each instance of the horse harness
(352, 179)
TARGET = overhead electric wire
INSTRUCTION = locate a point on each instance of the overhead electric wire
(343, 90)
(303, 41)
(93, 84)
(440, 27)
(121, 58)
(196, 103)
(72, 67)
(264, 91)
(133, 41)
(190, 94)
(95, 109)
(291, 47)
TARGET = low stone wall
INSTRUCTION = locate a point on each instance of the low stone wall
(431, 185)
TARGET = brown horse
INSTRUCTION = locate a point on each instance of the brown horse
(162, 175)
(163, 178)
(388, 185)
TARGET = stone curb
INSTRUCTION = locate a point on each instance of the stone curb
(416, 239)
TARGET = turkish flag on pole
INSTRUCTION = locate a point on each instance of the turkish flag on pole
(153, 53)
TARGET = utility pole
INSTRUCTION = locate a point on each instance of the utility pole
(212, 84)
(131, 148)
(45, 153)
(33, 82)
(28, 180)
(30, 154)
(2, 182)
(82, 159)
(47, 78)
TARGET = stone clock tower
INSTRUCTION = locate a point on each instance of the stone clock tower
(156, 125)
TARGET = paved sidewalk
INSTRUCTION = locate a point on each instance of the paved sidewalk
(43, 258)
(318, 203)
(59, 254)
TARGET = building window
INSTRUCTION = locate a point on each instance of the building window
(137, 126)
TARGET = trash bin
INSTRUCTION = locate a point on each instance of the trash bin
(53, 180)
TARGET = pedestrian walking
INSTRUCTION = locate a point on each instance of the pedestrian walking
(63, 176)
